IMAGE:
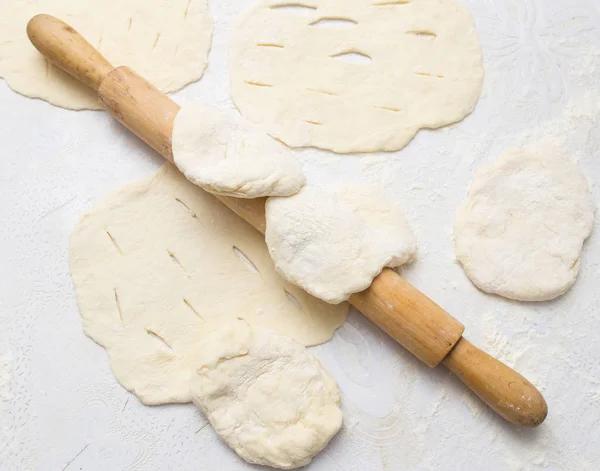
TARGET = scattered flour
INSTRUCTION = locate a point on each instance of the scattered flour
(5, 376)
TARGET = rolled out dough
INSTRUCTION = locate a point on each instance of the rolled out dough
(355, 75)
(265, 395)
(166, 41)
(334, 242)
(157, 260)
(520, 232)
(225, 154)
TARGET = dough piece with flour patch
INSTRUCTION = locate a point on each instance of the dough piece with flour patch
(225, 154)
(521, 230)
(333, 243)
(157, 260)
(265, 395)
(165, 41)
(355, 75)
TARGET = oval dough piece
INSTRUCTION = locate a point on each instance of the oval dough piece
(224, 154)
(165, 41)
(157, 260)
(265, 395)
(355, 75)
(520, 232)
(334, 242)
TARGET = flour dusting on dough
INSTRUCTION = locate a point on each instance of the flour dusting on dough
(521, 230)
(224, 154)
(333, 243)
(265, 395)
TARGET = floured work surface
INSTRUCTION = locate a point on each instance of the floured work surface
(158, 259)
(62, 404)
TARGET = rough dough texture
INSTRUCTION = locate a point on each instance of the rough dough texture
(265, 395)
(420, 67)
(225, 154)
(166, 41)
(334, 242)
(159, 258)
(520, 232)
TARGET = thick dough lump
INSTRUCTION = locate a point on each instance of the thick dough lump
(334, 242)
(224, 154)
(265, 395)
(520, 232)
(355, 75)
(165, 41)
(156, 261)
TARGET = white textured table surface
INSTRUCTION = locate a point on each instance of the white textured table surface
(61, 408)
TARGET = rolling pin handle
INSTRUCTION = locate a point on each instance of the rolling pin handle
(500, 387)
(67, 49)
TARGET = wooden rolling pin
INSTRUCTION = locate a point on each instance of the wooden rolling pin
(407, 315)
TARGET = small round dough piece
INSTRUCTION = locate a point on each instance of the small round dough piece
(265, 395)
(226, 155)
(355, 75)
(332, 243)
(165, 41)
(520, 232)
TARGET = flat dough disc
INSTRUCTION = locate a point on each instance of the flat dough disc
(520, 232)
(159, 258)
(265, 395)
(225, 154)
(334, 242)
(165, 41)
(291, 70)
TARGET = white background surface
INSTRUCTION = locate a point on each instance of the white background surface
(61, 408)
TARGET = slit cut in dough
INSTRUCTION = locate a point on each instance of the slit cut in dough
(520, 232)
(421, 58)
(265, 395)
(224, 154)
(154, 263)
(165, 41)
(334, 242)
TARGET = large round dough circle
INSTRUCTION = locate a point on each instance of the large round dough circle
(425, 70)
(158, 260)
(166, 41)
(520, 232)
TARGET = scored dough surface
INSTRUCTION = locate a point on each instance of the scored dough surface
(225, 154)
(158, 259)
(265, 395)
(165, 41)
(521, 230)
(294, 68)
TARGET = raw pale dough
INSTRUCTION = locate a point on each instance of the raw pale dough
(334, 242)
(155, 261)
(520, 232)
(355, 75)
(265, 395)
(225, 154)
(166, 41)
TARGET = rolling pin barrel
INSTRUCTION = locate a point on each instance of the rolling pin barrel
(409, 317)
(406, 314)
